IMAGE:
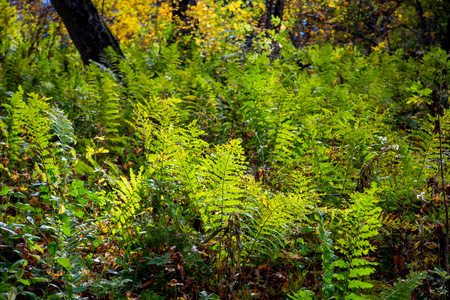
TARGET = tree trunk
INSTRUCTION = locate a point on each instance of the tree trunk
(446, 38)
(446, 42)
(424, 25)
(87, 29)
(273, 8)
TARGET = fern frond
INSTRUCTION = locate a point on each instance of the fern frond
(129, 203)
(397, 223)
(327, 256)
(402, 289)
(62, 127)
(14, 130)
(222, 174)
(37, 125)
(360, 223)
(28, 127)
(302, 295)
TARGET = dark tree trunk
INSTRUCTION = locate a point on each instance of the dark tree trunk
(87, 29)
(446, 40)
(446, 35)
(424, 26)
(273, 8)
(278, 12)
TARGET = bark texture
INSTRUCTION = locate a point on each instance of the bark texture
(87, 29)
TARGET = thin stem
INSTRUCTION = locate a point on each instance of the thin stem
(442, 167)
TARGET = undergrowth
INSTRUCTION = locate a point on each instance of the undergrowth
(221, 177)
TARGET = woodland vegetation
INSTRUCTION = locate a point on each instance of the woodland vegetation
(277, 149)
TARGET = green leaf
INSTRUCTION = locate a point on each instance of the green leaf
(66, 230)
(52, 247)
(24, 281)
(38, 280)
(79, 213)
(65, 219)
(302, 295)
(19, 274)
(33, 246)
(17, 264)
(30, 295)
(30, 219)
(353, 296)
(93, 197)
(77, 184)
(204, 295)
(79, 289)
(65, 262)
(4, 190)
(4, 287)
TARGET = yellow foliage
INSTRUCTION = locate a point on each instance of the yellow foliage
(137, 20)
(8, 21)
(213, 24)
(218, 25)
(380, 46)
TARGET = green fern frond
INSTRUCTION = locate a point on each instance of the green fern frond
(101, 106)
(396, 223)
(13, 66)
(74, 278)
(28, 128)
(222, 177)
(360, 224)
(302, 295)
(14, 124)
(402, 289)
(328, 257)
(62, 127)
(129, 203)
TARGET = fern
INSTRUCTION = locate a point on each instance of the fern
(170, 173)
(273, 220)
(393, 222)
(222, 176)
(14, 125)
(173, 159)
(302, 295)
(28, 129)
(360, 223)
(424, 143)
(37, 125)
(74, 278)
(328, 257)
(130, 196)
(402, 289)
(101, 106)
(13, 68)
(67, 238)
(62, 127)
